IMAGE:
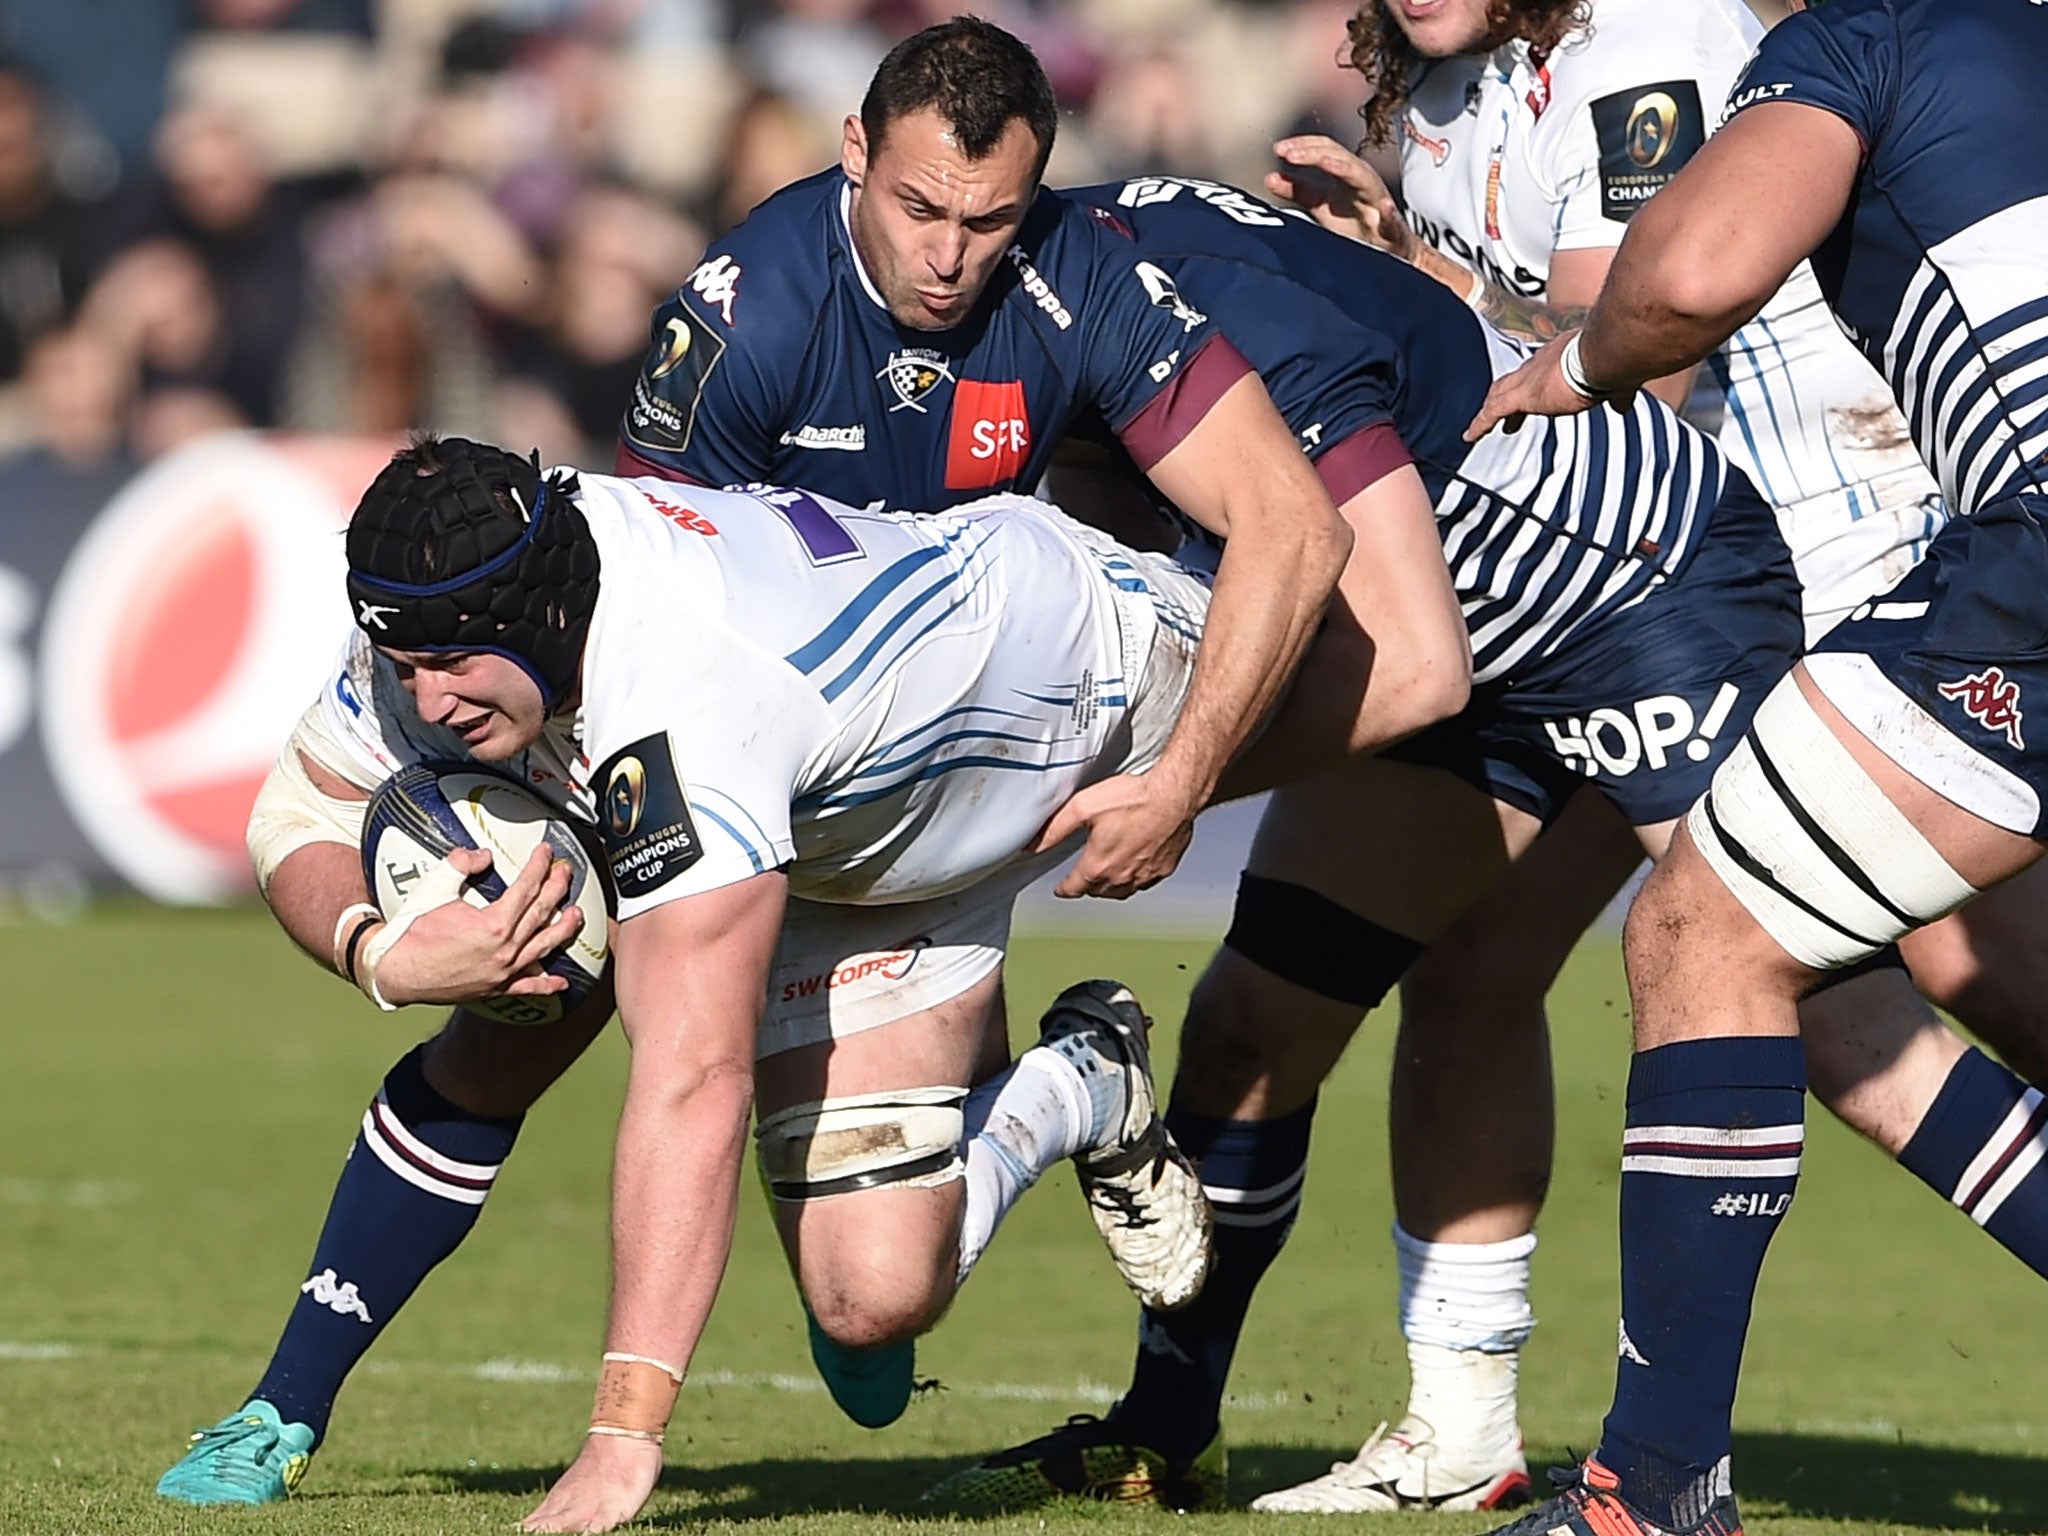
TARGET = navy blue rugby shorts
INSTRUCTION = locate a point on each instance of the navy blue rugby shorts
(1643, 703)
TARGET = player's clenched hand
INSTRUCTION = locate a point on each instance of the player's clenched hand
(1537, 388)
(604, 1489)
(1137, 831)
(1345, 194)
(452, 952)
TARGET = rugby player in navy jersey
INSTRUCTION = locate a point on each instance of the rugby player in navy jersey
(924, 322)
(1891, 777)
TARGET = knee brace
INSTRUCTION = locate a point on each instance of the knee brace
(909, 1136)
(1304, 937)
(1810, 846)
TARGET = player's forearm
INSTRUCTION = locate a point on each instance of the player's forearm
(1272, 588)
(675, 1188)
(311, 890)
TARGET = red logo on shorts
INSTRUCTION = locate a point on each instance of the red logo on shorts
(689, 519)
(1992, 700)
(990, 437)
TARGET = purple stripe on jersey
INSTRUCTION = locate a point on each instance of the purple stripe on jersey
(1362, 460)
(1171, 414)
(629, 465)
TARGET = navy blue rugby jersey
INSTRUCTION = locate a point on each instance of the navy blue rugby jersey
(777, 361)
(1937, 272)
(1544, 528)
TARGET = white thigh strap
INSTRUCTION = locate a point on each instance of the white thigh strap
(1809, 844)
(907, 1136)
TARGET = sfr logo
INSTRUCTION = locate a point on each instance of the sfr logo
(990, 435)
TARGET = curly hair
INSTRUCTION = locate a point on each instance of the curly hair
(1381, 52)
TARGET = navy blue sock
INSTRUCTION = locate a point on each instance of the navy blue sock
(1708, 1166)
(413, 1186)
(1981, 1146)
(1253, 1172)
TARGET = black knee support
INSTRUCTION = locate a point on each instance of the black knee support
(1308, 939)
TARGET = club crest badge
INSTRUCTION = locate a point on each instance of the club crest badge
(912, 374)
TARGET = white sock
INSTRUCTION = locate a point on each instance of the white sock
(1019, 1124)
(1465, 1312)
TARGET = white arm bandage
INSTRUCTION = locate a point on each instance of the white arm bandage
(291, 811)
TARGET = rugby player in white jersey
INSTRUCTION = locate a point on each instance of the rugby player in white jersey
(842, 760)
(1529, 132)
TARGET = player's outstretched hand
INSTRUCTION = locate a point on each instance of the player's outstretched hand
(455, 953)
(1342, 193)
(605, 1488)
(1537, 388)
(1137, 831)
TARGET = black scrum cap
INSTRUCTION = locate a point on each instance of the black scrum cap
(459, 546)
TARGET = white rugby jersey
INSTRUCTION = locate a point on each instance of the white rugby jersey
(1508, 157)
(889, 705)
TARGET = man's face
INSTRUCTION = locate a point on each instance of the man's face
(486, 700)
(929, 223)
(1438, 29)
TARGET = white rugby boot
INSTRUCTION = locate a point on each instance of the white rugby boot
(1142, 1191)
(1418, 1465)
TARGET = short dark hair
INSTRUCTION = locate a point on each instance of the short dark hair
(975, 75)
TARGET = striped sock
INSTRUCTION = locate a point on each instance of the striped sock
(1709, 1162)
(1252, 1171)
(1981, 1145)
(413, 1186)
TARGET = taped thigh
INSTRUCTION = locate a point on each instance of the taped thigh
(1808, 843)
(907, 1137)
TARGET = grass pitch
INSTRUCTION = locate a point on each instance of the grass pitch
(178, 1091)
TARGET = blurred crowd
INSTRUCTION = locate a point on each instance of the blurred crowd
(362, 216)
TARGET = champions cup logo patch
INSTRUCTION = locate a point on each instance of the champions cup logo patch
(1650, 128)
(675, 346)
(913, 374)
(1992, 700)
(648, 835)
(1645, 137)
(625, 797)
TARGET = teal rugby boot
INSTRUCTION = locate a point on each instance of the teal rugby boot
(250, 1457)
(871, 1386)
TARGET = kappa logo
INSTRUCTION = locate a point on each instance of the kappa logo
(1992, 700)
(1039, 289)
(337, 1295)
(1153, 1339)
(717, 282)
(911, 375)
(1618, 742)
(371, 615)
(1626, 1348)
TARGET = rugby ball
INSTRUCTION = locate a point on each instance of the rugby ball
(421, 813)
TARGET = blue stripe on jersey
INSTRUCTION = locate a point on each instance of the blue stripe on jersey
(753, 854)
(814, 652)
(936, 770)
(903, 616)
(925, 751)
